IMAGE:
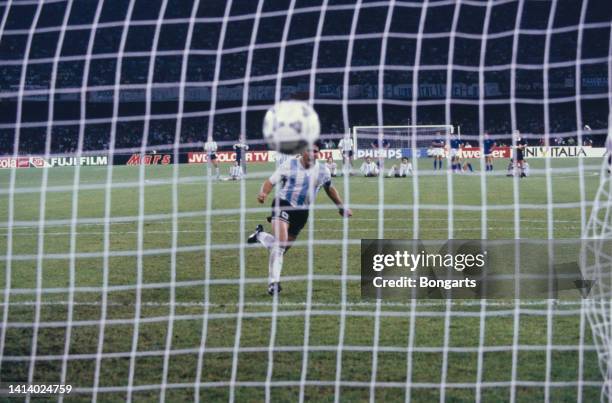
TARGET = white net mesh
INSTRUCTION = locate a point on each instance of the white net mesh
(127, 275)
(598, 268)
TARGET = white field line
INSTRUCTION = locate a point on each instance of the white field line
(342, 383)
(166, 232)
(362, 208)
(85, 185)
(191, 217)
(441, 303)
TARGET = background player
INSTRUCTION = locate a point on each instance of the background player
(299, 179)
(519, 155)
(455, 146)
(464, 164)
(346, 147)
(525, 169)
(380, 146)
(241, 147)
(369, 168)
(211, 151)
(404, 170)
(236, 171)
(488, 144)
(332, 166)
(437, 146)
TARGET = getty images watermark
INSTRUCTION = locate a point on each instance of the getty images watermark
(409, 269)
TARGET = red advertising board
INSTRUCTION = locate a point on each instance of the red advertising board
(38, 162)
(228, 156)
(149, 159)
(497, 152)
(12, 162)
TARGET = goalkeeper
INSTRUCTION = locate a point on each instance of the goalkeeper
(299, 180)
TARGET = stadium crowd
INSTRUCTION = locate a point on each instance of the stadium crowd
(509, 79)
(64, 139)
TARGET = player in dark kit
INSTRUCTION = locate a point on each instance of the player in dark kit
(488, 144)
(437, 146)
(241, 148)
(519, 156)
(455, 146)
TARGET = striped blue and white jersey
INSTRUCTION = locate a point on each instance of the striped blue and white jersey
(298, 185)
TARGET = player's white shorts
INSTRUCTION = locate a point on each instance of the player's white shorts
(437, 152)
(454, 152)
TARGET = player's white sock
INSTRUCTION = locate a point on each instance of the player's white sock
(217, 172)
(267, 240)
(275, 264)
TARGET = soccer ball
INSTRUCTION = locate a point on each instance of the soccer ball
(291, 126)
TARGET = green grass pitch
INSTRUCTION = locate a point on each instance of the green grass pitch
(411, 338)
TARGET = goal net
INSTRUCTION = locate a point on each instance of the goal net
(125, 267)
(373, 140)
(597, 263)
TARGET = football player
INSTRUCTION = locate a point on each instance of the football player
(298, 179)
(210, 147)
(437, 151)
(346, 147)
